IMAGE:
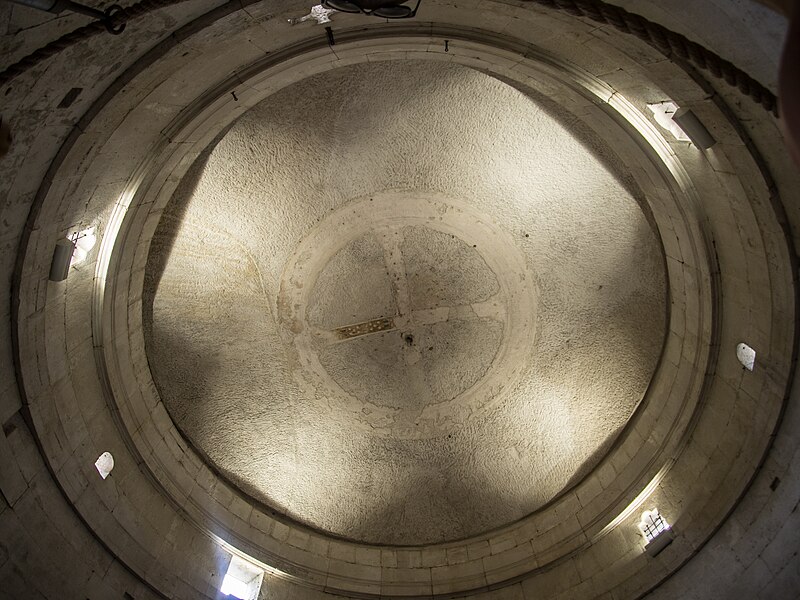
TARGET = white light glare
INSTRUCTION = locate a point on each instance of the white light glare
(104, 464)
(652, 524)
(318, 13)
(242, 580)
(746, 356)
(233, 587)
(663, 112)
(84, 241)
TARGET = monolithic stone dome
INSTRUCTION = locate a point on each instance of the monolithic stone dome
(441, 307)
(381, 307)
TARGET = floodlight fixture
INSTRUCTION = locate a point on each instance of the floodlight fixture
(385, 9)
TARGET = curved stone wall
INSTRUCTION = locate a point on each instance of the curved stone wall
(498, 291)
(704, 418)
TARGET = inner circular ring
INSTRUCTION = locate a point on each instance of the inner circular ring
(509, 303)
(541, 305)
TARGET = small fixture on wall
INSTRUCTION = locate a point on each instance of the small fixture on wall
(71, 251)
(682, 123)
(104, 464)
(663, 113)
(692, 127)
(656, 531)
(62, 257)
(385, 9)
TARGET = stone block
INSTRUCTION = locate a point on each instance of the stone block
(416, 582)
(368, 556)
(452, 578)
(341, 551)
(12, 483)
(552, 582)
(512, 563)
(433, 556)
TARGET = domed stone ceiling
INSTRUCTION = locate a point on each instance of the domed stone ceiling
(404, 302)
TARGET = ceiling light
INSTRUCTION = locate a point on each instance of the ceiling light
(386, 9)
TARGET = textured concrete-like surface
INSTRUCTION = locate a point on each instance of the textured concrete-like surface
(517, 285)
(459, 287)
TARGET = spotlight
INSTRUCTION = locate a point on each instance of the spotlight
(62, 255)
(693, 128)
(385, 9)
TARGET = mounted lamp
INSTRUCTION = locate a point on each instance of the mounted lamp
(385, 9)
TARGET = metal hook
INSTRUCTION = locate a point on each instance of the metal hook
(110, 13)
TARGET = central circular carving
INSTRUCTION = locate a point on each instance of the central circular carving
(410, 313)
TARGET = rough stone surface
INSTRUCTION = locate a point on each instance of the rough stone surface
(52, 549)
(380, 306)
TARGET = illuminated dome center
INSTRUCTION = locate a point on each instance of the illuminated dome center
(404, 302)
(409, 311)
